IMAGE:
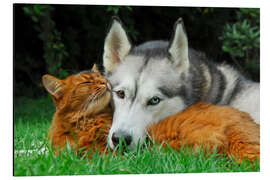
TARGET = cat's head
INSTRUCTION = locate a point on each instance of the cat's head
(87, 91)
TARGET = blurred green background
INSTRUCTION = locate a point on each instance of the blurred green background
(64, 39)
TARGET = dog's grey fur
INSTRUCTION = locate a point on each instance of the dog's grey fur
(178, 75)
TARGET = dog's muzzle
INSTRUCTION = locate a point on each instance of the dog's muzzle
(121, 136)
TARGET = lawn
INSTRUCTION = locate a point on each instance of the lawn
(34, 157)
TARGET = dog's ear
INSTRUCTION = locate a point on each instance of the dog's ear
(117, 46)
(178, 47)
(53, 85)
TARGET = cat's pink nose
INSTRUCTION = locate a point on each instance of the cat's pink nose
(109, 86)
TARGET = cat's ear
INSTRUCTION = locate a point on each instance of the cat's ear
(53, 85)
(117, 46)
(95, 69)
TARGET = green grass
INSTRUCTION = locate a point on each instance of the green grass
(31, 123)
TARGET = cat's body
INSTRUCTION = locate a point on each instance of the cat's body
(229, 130)
(83, 113)
(89, 133)
(87, 125)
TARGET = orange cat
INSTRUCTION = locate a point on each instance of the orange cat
(231, 131)
(83, 113)
(83, 117)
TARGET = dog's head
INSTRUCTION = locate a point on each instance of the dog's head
(149, 81)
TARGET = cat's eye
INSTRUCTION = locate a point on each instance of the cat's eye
(86, 82)
(154, 101)
(121, 94)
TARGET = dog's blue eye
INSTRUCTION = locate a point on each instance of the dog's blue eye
(153, 101)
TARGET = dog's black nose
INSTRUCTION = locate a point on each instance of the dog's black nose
(121, 136)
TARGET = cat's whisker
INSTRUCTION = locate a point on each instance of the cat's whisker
(89, 100)
(82, 109)
(87, 105)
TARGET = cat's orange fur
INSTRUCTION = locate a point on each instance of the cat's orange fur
(231, 131)
(227, 129)
(83, 114)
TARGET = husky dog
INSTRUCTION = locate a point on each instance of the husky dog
(159, 78)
